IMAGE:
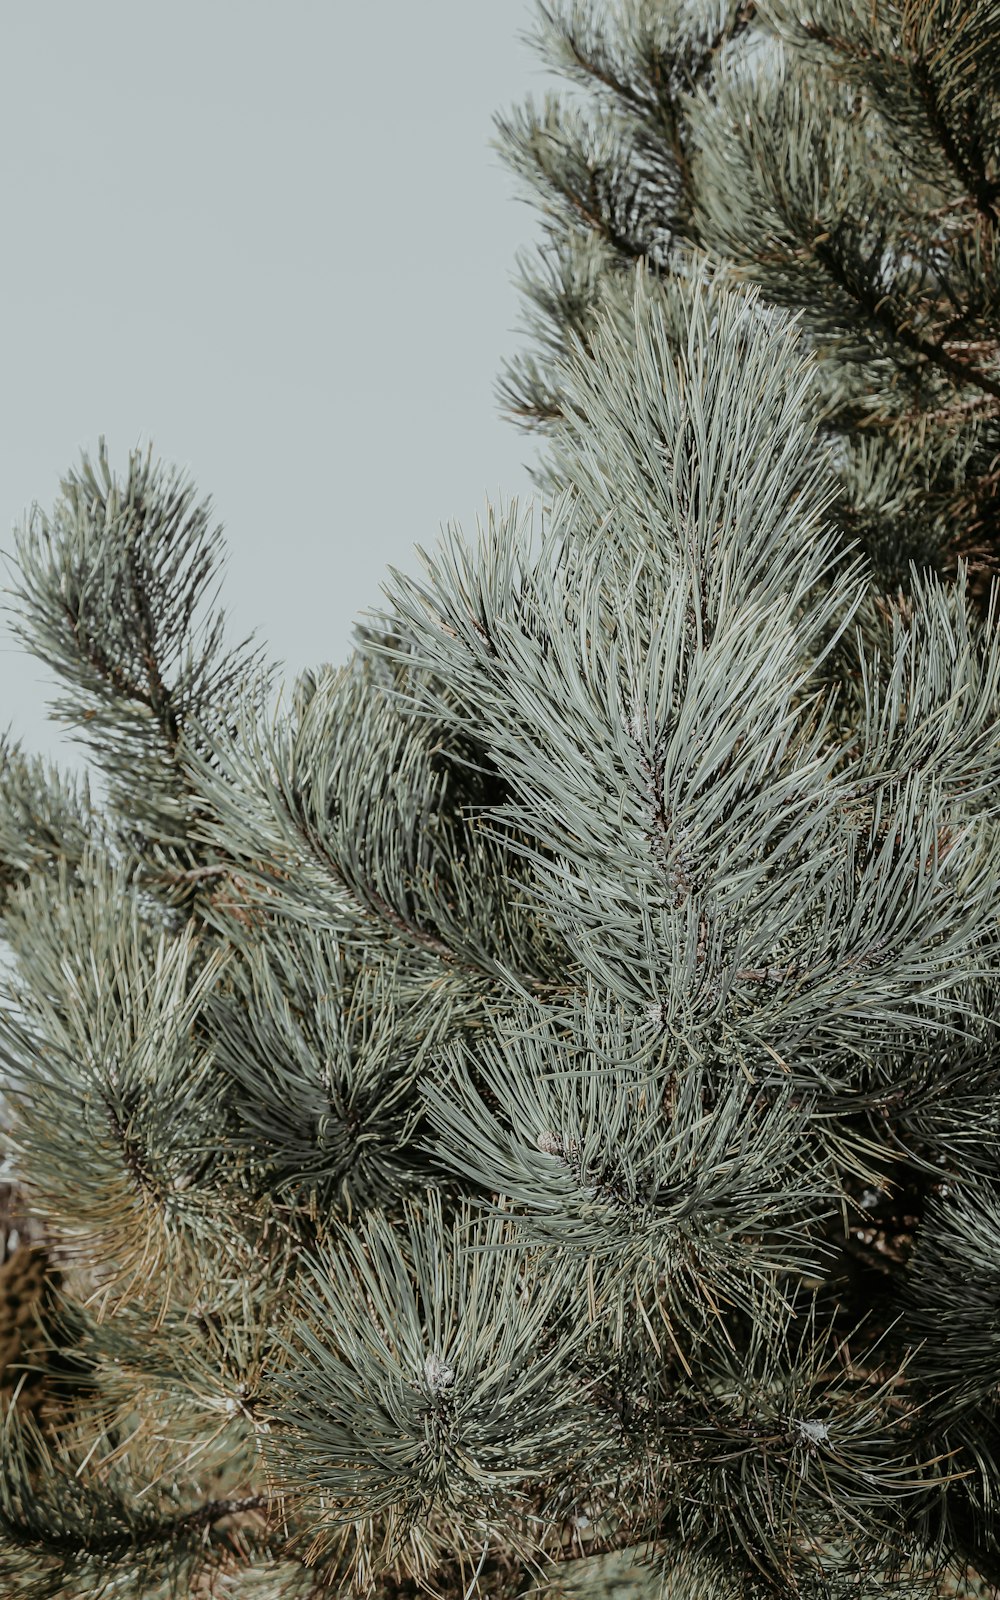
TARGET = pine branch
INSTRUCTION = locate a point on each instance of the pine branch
(967, 164)
(880, 312)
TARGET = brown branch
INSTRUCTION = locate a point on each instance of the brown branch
(971, 175)
(844, 46)
(878, 311)
(602, 72)
(375, 902)
(745, 15)
(160, 1531)
(160, 698)
(92, 653)
(641, 106)
(197, 874)
(156, 696)
(215, 1510)
(595, 221)
(658, 836)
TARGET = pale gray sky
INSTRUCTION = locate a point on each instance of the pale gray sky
(272, 239)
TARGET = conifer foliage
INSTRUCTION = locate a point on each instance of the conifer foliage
(522, 1115)
(842, 156)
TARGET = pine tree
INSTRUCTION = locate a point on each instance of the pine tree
(841, 155)
(524, 1113)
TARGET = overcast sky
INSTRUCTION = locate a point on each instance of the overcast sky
(273, 240)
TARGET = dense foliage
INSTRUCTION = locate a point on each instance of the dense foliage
(842, 156)
(526, 1109)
